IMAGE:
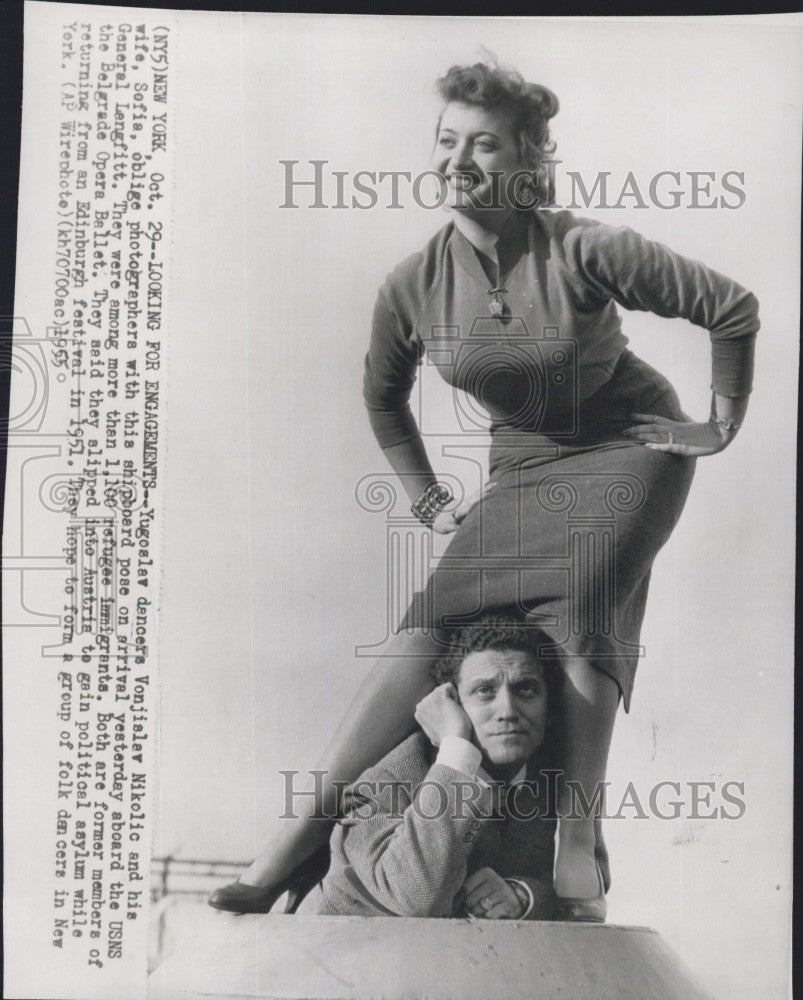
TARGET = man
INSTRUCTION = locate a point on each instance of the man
(462, 829)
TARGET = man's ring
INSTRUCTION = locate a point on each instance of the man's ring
(486, 903)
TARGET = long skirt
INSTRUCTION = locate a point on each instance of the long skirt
(568, 534)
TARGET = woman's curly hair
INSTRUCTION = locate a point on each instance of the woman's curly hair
(493, 88)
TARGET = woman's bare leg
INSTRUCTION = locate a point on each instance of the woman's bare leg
(380, 716)
(590, 701)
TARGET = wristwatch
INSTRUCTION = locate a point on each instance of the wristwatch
(725, 424)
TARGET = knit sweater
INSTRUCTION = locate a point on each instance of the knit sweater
(561, 279)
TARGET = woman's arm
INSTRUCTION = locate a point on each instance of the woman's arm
(390, 370)
(637, 273)
(411, 464)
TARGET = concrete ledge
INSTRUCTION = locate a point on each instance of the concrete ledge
(384, 958)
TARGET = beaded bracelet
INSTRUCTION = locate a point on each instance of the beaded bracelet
(430, 502)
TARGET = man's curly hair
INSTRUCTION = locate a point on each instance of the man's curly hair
(495, 632)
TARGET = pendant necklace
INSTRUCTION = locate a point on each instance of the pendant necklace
(496, 304)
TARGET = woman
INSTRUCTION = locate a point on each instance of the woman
(591, 457)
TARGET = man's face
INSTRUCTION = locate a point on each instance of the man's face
(504, 694)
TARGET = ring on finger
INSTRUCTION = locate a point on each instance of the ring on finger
(486, 903)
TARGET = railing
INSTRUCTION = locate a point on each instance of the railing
(190, 876)
(178, 881)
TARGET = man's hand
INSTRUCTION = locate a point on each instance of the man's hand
(488, 895)
(440, 714)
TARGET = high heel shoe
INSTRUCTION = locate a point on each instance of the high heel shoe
(237, 897)
(588, 911)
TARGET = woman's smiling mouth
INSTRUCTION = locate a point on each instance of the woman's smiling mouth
(464, 180)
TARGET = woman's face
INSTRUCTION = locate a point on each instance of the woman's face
(476, 153)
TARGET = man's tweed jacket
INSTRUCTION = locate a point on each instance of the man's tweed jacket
(414, 829)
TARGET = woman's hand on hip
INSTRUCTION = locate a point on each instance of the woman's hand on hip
(677, 437)
(449, 521)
